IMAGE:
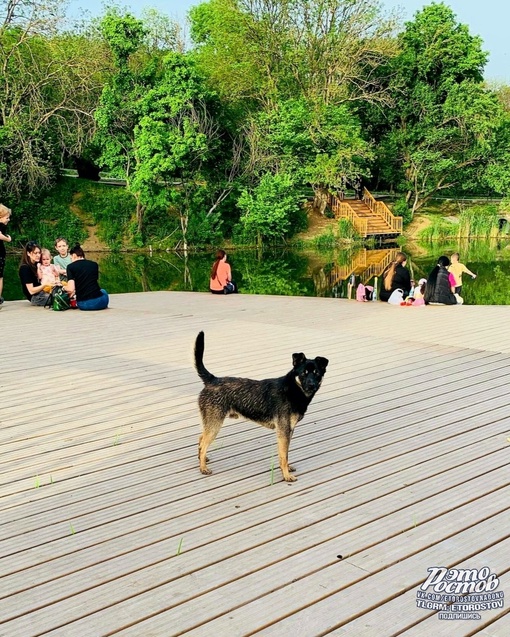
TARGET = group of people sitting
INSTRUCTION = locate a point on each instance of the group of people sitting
(442, 287)
(70, 270)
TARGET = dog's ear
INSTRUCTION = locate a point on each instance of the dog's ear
(297, 359)
(322, 363)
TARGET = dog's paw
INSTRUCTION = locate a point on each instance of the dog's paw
(206, 471)
(290, 478)
(292, 469)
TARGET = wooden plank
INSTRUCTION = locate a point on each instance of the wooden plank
(378, 462)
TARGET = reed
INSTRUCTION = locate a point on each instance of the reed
(439, 230)
(479, 221)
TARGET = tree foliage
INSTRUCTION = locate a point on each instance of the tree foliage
(445, 120)
(49, 85)
(275, 100)
(323, 50)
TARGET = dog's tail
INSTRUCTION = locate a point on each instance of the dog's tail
(205, 375)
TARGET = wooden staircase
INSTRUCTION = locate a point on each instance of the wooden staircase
(370, 218)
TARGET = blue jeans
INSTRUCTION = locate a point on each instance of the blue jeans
(100, 303)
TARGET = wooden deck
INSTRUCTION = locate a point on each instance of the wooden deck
(108, 528)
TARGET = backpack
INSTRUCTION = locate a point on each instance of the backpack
(58, 299)
(364, 293)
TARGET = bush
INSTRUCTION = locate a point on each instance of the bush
(111, 209)
(400, 208)
(439, 230)
(346, 230)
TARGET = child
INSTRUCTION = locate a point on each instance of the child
(457, 269)
(417, 293)
(47, 273)
(5, 215)
(419, 290)
(63, 258)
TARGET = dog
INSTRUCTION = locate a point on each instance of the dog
(275, 403)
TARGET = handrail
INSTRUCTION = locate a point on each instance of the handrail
(381, 209)
(342, 210)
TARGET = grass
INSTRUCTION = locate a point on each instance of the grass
(480, 222)
(325, 241)
(179, 547)
(271, 478)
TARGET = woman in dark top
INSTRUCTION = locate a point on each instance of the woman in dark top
(30, 284)
(82, 280)
(439, 285)
(395, 276)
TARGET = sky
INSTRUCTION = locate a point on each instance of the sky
(489, 19)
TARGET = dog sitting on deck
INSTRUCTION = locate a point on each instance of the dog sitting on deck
(275, 403)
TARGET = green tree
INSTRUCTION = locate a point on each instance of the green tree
(291, 71)
(317, 144)
(118, 111)
(445, 120)
(49, 83)
(261, 51)
(269, 209)
(497, 171)
(178, 143)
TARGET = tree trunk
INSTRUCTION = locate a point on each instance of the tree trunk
(184, 230)
(139, 216)
(320, 201)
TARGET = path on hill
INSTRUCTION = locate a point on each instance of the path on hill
(92, 243)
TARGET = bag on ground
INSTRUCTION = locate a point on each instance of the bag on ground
(397, 296)
(364, 293)
(58, 299)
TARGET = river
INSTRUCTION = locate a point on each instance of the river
(284, 271)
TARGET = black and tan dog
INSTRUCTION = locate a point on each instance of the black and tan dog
(275, 403)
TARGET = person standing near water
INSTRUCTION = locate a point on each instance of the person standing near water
(458, 269)
(5, 215)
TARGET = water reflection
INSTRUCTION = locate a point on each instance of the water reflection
(336, 279)
(292, 272)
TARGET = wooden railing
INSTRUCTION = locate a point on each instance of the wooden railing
(381, 209)
(342, 210)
